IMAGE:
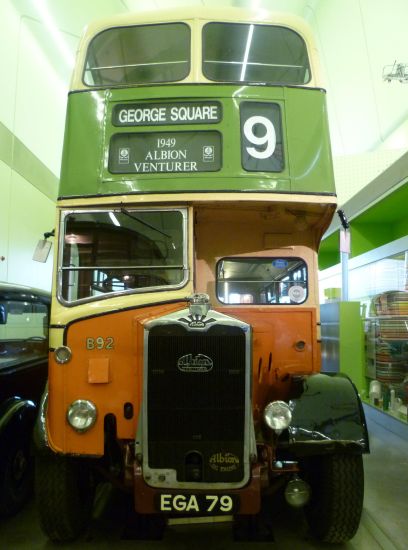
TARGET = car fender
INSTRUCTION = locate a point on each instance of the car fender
(327, 417)
(40, 437)
(17, 415)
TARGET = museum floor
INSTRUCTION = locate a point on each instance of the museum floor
(384, 524)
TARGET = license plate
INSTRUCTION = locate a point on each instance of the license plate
(213, 504)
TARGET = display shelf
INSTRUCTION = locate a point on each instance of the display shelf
(400, 412)
(387, 349)
(386, 343)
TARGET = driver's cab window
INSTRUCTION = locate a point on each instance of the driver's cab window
(106, 252)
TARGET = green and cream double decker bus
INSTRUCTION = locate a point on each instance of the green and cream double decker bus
(196, 185)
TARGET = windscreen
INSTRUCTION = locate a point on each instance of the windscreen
(23, 331)
(261, 280)
(234, 52)
(138, 55)
(113, 251)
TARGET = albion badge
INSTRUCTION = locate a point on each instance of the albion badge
(196, 363)
(224, 462)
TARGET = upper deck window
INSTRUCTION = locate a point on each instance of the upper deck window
(235, 52)
(138, 55)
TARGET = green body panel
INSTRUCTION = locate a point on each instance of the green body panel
(307, 165)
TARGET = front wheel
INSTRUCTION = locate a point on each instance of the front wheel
(337, 483)
(64, 493)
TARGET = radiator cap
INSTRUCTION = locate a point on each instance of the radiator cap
(199, 304)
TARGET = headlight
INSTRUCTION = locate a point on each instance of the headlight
(62, 354)
(81, 415)
(277, 415)
(297, 492)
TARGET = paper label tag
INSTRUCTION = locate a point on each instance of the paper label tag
(42, 251)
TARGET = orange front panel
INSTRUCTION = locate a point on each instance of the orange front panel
(106, 368)
(280, 331)
(284, 344)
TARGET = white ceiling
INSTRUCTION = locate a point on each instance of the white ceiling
(356, 38)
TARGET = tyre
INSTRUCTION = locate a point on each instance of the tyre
(16, 474)
(64, 494)
(337, 483)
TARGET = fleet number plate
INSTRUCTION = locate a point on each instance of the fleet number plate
(197, 504)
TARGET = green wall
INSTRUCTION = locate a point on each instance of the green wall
(32, 112)
(385, 221)
(27, 197)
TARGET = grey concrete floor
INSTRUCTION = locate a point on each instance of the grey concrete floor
(384, 524)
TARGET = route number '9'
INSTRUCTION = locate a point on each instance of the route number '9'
(268, 139)
(262, 148)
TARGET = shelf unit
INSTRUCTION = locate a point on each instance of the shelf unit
(386, 341)
(387, 348)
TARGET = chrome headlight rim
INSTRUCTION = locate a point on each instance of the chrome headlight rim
(277, 416)
(85, 408)
(62, 354)
(297, 492)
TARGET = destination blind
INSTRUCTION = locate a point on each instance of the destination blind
(156, 114)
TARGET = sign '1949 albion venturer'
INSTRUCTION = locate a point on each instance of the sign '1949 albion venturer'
(158, 152)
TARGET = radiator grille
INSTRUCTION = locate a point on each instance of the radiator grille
(197, 416)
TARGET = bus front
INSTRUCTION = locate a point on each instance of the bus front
(196, 184)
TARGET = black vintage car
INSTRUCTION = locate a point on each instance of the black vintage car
(24, 316)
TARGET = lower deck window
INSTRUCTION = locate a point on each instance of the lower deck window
(271, 280)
